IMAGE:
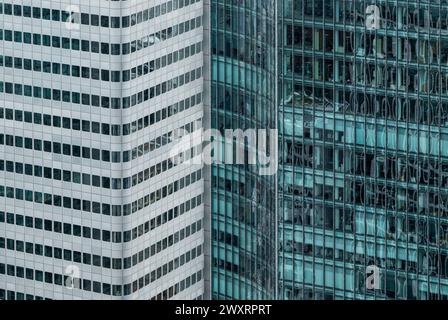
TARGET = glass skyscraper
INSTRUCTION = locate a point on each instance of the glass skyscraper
(242, 96)
(363, 182)
(361, 194)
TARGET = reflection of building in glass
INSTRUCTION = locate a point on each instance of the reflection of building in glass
(242, 97)
(363, 116)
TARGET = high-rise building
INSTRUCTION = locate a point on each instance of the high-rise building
(95, 204)
(363, 115)
(362, 119)
(92, 206)
(241, 81)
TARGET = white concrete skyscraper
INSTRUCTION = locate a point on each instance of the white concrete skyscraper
(91, 205)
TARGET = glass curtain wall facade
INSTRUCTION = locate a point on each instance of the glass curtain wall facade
(242, 97)
(363, 119)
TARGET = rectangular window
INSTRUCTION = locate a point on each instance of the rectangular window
(55, 15)
(75, 44)
(94, 20)
(95, 46)
(105, 21)
(115, 22)
(56, 68)
(85, 19)
(85, 45)
(104, 48)
(46, 14)
(36, 12)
